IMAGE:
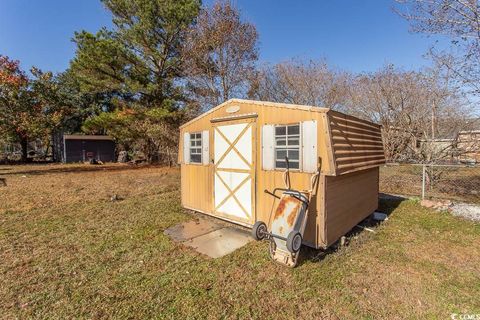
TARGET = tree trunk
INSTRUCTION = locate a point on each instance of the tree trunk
(433, 122)
(24, 146)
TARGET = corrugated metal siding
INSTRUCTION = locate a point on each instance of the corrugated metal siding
(357, 144)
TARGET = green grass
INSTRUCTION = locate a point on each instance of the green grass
(65, 256)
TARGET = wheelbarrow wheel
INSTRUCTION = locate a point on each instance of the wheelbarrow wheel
(294, 241)
(259, 230)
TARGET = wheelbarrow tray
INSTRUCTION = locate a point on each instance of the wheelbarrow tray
(289, 216)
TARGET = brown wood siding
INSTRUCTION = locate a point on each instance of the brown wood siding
(357, 144)
(349, 199)
(197, 187)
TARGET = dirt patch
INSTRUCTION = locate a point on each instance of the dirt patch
(26, 191)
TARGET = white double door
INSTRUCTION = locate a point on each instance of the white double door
(234, 173)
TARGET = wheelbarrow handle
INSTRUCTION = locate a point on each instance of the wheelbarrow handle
(271, 193)
(296, 196)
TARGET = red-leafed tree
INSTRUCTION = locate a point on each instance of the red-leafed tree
(22, 116)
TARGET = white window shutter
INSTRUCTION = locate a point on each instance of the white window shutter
(186, 148)
(205, 147)
(268, 141)
(309, 146)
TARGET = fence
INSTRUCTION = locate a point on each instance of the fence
(426, 181)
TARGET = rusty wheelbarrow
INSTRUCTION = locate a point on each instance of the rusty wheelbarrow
(289, 221)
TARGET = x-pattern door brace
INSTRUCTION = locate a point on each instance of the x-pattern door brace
(232, 146)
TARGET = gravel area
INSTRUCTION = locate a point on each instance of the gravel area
(459, 209)
(465, 210)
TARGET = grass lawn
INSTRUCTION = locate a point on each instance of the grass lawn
(67, 251)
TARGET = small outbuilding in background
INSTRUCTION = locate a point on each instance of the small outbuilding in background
(83, 148)
(232, 153)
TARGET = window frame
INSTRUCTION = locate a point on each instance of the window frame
(287, 147)
(195, 147)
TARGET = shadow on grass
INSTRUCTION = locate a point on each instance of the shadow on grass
(79, 169)
(387, 204)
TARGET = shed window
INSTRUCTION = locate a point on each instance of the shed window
(287, 144)
(196, 147)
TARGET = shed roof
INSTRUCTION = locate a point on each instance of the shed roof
(260, 103)
(85, 137)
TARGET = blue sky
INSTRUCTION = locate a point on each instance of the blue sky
(354, 35)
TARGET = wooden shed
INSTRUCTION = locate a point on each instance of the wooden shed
(232, 153)
(82, 148)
